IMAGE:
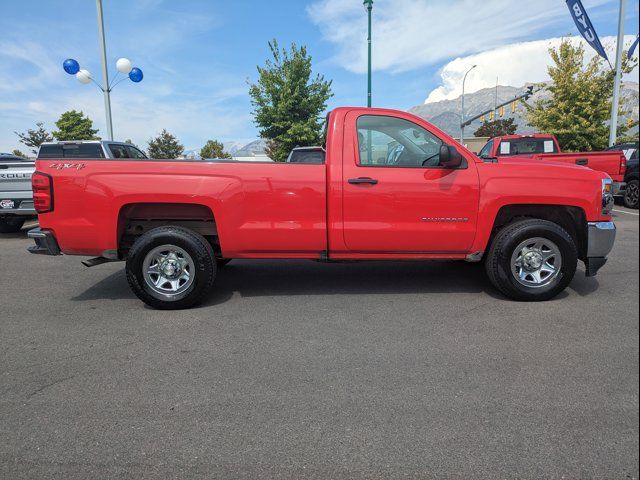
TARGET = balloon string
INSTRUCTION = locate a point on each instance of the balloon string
(114, 79)
(119, 81)
(97, 84)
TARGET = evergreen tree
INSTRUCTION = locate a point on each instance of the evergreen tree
(73, 125)
(18, 153)
(213, 149)
(288, 103)
(165, 145)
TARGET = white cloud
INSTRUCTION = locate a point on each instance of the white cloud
(409, 34)
(514, 65)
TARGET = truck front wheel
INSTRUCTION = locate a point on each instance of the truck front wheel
(171, 268)
(11, 224)
(532, 260)
(631, 194)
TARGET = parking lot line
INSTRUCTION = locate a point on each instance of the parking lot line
(628, 213)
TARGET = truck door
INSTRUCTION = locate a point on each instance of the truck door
(396, 196)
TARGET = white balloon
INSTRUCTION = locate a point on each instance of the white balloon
(124, 65)
(83, 76)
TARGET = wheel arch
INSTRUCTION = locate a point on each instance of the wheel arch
(570, 218)
(135, 219)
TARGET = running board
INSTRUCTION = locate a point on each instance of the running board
(94, 262)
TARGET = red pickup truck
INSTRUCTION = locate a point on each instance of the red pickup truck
(546, 147)
(391, 187)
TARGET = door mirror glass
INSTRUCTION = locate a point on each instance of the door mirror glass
(450, 157)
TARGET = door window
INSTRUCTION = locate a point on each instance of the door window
(486, 150)
(395, 142)
(118, 151)
(135, 153)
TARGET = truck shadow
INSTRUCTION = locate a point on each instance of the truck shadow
(290, 278)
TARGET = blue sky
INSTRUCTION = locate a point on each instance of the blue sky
(197, 56)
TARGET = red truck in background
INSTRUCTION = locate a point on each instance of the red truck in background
(546, 147)
(391, 187)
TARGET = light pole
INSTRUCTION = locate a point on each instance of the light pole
(123, 65)
(105, 71)
(368, 5)
(613, 129)
(462, 123)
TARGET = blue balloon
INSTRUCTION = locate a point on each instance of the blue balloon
(71, 66)
(135, 75)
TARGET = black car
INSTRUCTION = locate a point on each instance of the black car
(630, 193)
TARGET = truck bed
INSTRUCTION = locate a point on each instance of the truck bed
(267, 207)
(607, 162)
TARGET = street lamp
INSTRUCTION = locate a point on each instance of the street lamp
(123, 65)
(462, 123)
(368, 5)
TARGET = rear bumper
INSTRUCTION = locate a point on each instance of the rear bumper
(21, 207)
(601, 237)
(46, 243)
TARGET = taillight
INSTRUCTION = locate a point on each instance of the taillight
(42, 185)
(623, 165)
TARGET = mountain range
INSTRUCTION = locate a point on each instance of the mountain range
(446, 114)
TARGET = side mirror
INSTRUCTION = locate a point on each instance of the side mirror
(450, 157)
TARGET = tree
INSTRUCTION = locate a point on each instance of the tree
(579, 107)
(165, 145)
(497, 128)
(18, 153)
(287, 102)
(35, 138)
(213, 149)
(130, 142)
(73, 125)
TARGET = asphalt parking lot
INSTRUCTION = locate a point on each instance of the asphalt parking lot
(304, 370)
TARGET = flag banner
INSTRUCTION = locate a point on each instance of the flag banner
(633, 46)
(585, 27)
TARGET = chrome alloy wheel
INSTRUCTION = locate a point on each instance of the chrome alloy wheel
(168, 270)
(536, 262)
(632, 194)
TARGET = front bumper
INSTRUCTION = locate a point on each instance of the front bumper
(601, 237)
(46, 243)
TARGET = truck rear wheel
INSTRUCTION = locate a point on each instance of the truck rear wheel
(532, 260)
(171, 268)
(11, 224)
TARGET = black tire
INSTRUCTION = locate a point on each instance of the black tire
(222, 262)
(499, 259)
(199, 251)
(631, 195)
(11, 224)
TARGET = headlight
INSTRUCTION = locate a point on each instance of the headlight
(607, 196)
